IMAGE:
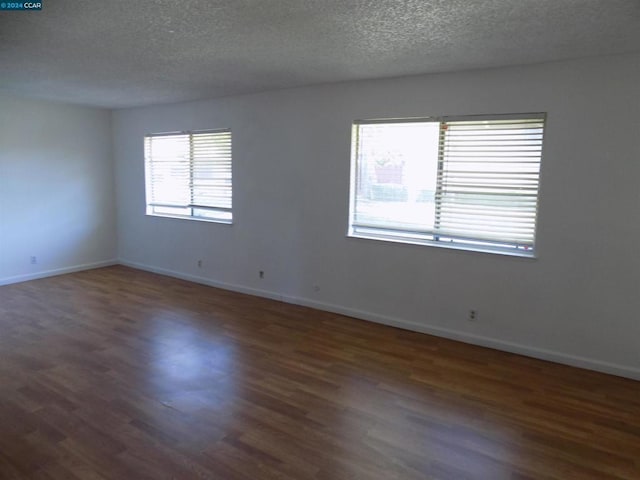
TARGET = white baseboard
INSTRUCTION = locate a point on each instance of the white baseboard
(529, 351)
(203, 280)
(520, 349)
(57, 271)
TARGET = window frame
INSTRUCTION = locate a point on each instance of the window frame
(432, 239)
(150, 204)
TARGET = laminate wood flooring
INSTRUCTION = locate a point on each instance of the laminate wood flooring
(116, 373)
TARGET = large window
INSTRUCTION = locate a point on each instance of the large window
(189, 175)
(468, 182)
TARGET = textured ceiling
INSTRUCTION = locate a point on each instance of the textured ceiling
(119, 53)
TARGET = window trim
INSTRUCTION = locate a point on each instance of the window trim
(148, 183)
(480, 246)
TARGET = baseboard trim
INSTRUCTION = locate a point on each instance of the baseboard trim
(480, 340)
(202, 280)
(57, 271)
(483, 341)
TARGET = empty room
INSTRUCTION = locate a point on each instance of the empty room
(320, 240)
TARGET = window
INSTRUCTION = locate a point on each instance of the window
(469, 183)
(189, 175)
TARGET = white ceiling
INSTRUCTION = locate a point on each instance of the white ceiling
(119, 53)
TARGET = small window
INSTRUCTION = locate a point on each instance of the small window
(188, 175)
(469, 183)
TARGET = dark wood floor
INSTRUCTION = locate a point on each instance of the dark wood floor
(121, 374)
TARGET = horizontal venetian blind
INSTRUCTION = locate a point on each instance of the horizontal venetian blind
(488, 181)
(464, 182)
(190, 174)
(211, 169)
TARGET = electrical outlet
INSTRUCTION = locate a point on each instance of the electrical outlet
(199, 263)
(261, 274)
(33, 259)
(473, 315)
(316, 288)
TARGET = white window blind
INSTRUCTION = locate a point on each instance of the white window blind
(460, 182)
(189, 175)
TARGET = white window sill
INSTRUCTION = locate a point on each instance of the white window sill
(186, 217)
(531, 255)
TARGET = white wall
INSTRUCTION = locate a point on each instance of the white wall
(56, 188)
(577, 303)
